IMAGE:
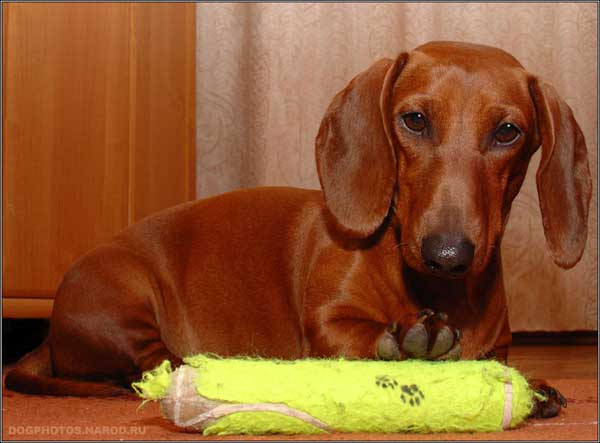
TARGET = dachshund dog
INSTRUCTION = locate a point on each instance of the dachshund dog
(398, 256)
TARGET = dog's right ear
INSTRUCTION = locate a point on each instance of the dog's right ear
(356, 161)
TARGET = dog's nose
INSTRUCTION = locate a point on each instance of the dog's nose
(449, 254)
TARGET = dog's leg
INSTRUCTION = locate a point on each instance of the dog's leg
(358, 333)
(352, 338)
(104, 326)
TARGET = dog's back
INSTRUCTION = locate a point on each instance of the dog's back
(246, 247)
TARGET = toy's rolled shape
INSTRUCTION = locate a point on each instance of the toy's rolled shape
(254, 396)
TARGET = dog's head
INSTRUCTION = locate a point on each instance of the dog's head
(441, 138)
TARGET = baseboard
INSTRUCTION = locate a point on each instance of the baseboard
(556, 338)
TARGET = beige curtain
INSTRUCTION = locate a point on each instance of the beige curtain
(266, 73)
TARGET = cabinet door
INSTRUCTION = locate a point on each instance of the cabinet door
(163, 112)
(98, 129)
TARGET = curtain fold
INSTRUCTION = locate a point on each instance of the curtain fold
(267, 72)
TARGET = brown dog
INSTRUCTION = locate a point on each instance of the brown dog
(419, 159)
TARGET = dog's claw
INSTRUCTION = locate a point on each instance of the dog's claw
(442, 316)
(392, 327)
(424, 314)
(562, 400)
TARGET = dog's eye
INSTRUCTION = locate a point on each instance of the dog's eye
(507, 133)
(414, 121)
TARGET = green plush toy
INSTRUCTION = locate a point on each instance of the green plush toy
(255, 396)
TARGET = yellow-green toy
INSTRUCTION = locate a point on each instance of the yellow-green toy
(219, 396)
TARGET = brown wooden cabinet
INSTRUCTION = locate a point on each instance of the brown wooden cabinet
(98, 132)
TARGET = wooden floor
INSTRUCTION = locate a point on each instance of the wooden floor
(563, 361)
(572, 369)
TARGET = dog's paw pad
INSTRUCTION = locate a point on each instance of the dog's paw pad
(416, 340)
(443, 342)
(387, 347)
(452, 354)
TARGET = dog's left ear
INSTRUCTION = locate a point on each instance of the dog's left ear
(563, 177)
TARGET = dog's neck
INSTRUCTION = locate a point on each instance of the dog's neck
(468, 297)
(476, 304)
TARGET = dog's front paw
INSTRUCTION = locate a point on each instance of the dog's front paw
(429, 337)
(426, 336)
(554, 400)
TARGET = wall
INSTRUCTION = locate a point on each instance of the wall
(266, 73)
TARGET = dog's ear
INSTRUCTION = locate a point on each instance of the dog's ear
(356, 161)
(563, 177)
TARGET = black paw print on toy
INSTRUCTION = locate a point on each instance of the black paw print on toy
(411, 394)
(384, 381)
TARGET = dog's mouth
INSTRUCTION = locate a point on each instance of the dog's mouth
(459, 271)
(456, 275)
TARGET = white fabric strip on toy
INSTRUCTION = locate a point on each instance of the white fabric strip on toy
(183, 378)
(224, 410)
(508, 400)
